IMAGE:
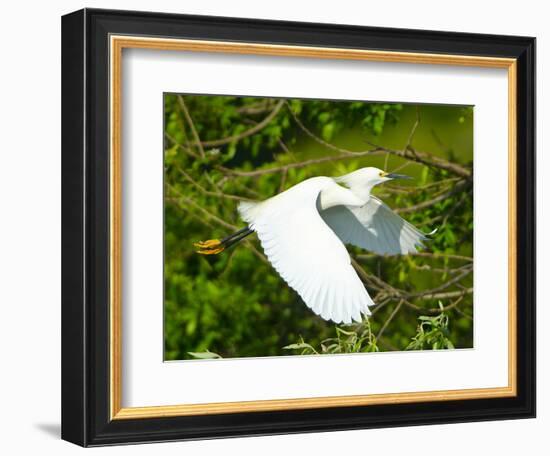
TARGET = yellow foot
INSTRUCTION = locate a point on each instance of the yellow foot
(211, 251)
(210, 247)
(211, 243)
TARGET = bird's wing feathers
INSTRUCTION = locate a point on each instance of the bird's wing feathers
(374, 227)
(308, 255)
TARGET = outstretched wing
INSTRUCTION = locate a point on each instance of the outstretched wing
(374, 227)
(308, 255)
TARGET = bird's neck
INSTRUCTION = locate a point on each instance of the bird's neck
(335, 195)
(357, 186)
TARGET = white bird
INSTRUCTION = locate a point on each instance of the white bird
(303, 231)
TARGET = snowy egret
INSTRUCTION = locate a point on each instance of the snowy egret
(303, 231)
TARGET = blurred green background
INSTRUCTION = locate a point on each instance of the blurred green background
(220, 150)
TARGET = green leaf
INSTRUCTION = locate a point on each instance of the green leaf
(299, 346)
(424, 175)
(328, 131)
(204, 355)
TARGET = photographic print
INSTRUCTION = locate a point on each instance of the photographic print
(276, 223)
(299, 226)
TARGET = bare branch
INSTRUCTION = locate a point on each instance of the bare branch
(424, 204)
(390, 318)
(394, 186)
(446, 295)
(317, 138)
(215, 218)
(443, 255)
(313, 161)
(201, 209)
(443, 286)
(366, 256)
(189, 120)
(255, 129)
(203, 190)
(428, 160)
(413, 130)
(257, 108)
(187, 150)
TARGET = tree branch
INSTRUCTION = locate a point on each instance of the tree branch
(413, 130)
(317, 138)
(424, 204)
(183, 108)
(389, 319)
(278, 169)
(204, 191)
(427, 159)
(215, 218)
(181, 146)
(252, 131)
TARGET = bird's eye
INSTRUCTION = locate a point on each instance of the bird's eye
(381, 174)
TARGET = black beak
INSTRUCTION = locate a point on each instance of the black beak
(397, 176)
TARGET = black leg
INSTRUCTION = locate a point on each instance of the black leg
(234, 239)
(237, 233)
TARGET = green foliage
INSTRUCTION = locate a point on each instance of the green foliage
(358, 340)
(432, 332)
(234, 304)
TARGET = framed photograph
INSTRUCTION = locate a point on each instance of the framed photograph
(275, 227)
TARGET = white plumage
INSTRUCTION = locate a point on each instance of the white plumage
(303, 231)
(375, 227)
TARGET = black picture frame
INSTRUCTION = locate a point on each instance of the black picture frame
(85, 225)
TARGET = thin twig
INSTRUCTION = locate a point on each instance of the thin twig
(424, 204)
(413, 130)
(419, 188)
(181, 146)
(218, 220)
(317, 138)
(443, 286)
(427, 159)
(368, 256)
(283, 180)
(389, 319)
(183, 107)
(447, 295)
(252, 131)
(257, 108)
(386, 157)
(203, 190)
(201, 209)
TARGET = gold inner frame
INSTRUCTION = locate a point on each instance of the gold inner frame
(117, 44)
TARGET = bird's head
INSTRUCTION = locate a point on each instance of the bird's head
(365, 179)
